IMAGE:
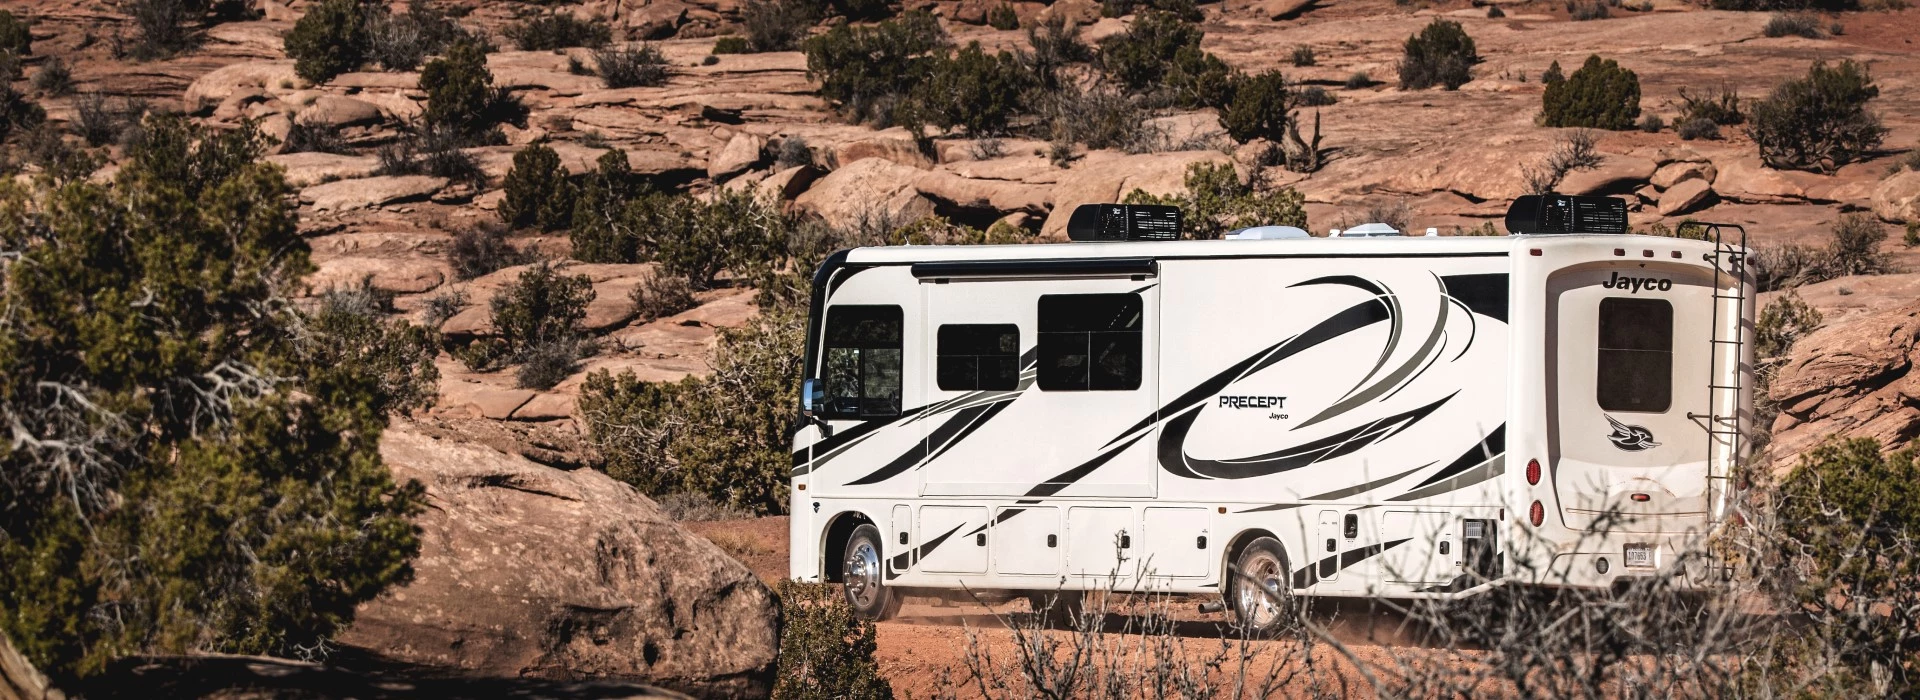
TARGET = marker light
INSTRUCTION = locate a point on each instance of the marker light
(1533, 472)
(1641, 497)
(1537, 513)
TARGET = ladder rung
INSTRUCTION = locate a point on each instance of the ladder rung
(1719, 386)
(1728, 342)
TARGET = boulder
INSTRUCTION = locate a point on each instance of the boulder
(973, 11)
(332, 110)
(529, 571)
(219, 84)
(371, 191)
(1685, 197)
(1283, 9)
(312, 168)
(1852, 378)
(952, 191)
(1749, 180)
(404, 276)
(742, 153)
(1680, 171)
(1617, 174)
(869, 189)
(893, 144)
(1897, 199)
(788, 184)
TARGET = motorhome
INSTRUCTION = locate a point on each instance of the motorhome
(1273, 414)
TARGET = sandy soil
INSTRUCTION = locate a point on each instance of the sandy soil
(924, 652)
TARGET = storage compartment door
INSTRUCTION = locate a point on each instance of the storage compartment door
(898, 549)
(1100, 543)
(1026, 541)
(952, 545)
(1430, 551)
(1177, 542)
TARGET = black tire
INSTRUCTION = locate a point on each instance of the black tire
(1057, 609)
(1262, 562)
(864, 578)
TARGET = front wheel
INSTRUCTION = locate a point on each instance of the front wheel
(1259, 592)
(863, 574)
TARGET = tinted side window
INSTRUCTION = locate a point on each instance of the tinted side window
(861, 362)
(1090, 342)
(1636, 355)
(978, 356)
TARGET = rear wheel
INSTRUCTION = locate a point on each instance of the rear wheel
(1259, 593)
(863, 574)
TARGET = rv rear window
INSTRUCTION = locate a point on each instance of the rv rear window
(861, 362)
(1636, 355)
(978, 356)
(1089, 342)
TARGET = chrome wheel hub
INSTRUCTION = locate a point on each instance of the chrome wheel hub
(1259, 600)
(862, 575)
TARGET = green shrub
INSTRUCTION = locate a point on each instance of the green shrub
(866, 71)
(1216, 201)
(54, 78)
(538, 191)
(776, 25)
(482, 249)
(351, 327)
(160, 27)
(661, 295)
(434, 152)
(152, 356)
(732, 44)
(1600, 95)
(1585, 11)
(1805, 26)
(1720, 106)
(1003, 18)
(17, 113)
(826, 652)
(542, 308)
(1303, 55)
(601, 231)
(558, 31)
(1785, 5)
(859, 9)
(1856, 245)
(1912, 236)
(1784, 321)
(1441, 54)
(1652, 123)
(1055, 44)
(1100, 116)
(724, 436)
(303, 137)
(543, 366)
(1850, 536)
(698, 240)
(99, 122)
(630, 66)
(1141, 57)
(16, 36)
(1819, 122)
(461, 98)
(1358, 81)
(331, 38)
(1261, 109)
(1692, 129)
(1552, 74)
(973, 89)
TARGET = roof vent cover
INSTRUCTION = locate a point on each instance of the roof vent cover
(1266, 233)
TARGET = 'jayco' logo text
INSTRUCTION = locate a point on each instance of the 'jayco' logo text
(1635, 284)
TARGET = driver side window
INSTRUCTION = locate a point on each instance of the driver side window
(861, 362)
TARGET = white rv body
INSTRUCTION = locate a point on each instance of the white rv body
(1369, 403)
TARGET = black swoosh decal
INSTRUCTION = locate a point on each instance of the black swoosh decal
(1311, 574)
(1358, 316)
(1494, 444)
(1174, 459)
(1484, 294)
(939, 440)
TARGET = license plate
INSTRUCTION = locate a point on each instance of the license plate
(1640, 555)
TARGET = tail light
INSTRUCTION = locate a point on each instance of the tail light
(1533, 472)
(1537, 513)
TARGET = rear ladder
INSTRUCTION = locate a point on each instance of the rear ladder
(1724, 417)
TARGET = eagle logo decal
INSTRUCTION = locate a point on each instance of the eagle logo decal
(1631, 438)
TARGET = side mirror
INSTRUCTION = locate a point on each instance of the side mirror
(812, 395)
